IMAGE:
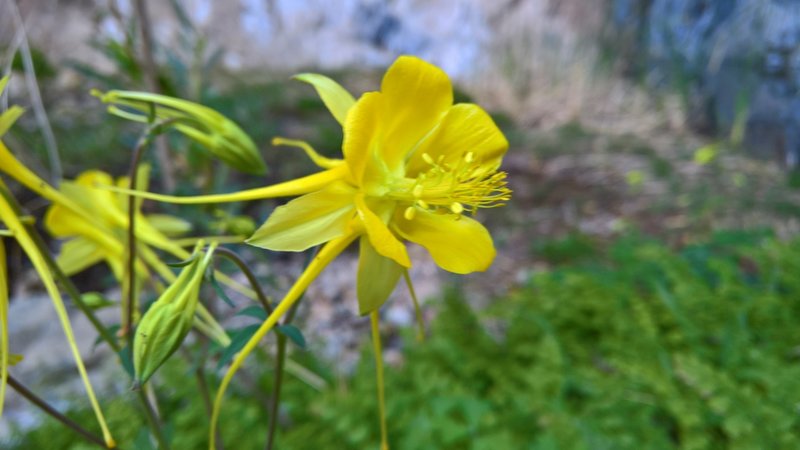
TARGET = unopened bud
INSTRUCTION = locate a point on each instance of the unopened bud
(165, 325)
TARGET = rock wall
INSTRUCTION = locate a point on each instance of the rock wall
(733, 59)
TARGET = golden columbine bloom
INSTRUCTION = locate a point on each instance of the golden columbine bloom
(16, 229)
(85, 245)
(416, 167)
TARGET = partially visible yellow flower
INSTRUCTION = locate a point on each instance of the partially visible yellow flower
(95, 220)
(103, 239)
(220, 135)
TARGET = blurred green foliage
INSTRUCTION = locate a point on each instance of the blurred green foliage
(647, 347)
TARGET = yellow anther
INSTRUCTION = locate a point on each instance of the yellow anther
(469, 157)
(417, 191)
(422, 204)
(457, 208)
(409, 213)
(427, 158)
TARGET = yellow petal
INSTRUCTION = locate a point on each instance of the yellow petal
(377, 277)
(290, 188)
(361, 133)
(335, 97)
(316, 158)
(77, 254)
(381, 238)
(466, 128)
(61, 222)
(457, 244)
(307, 221)
(103, 204)
(416, 96)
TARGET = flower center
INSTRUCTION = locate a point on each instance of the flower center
(463, 186)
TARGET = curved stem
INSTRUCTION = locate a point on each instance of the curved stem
(325, 256)
(251, 277)
(417, 309)
(52, 412)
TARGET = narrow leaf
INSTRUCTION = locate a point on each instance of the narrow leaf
(294, 334)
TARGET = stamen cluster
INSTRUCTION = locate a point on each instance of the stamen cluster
(464, 186)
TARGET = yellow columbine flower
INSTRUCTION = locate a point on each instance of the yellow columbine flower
(85, 245)
(415, 168)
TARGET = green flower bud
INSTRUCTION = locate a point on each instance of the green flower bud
(207, 127)
(165, 325)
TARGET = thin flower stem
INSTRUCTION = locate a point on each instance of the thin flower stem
(127, 322)
(151, 78)
(130, 292)
(236, 259)
(202, 382)
(374, 319)
(417, 309)
(152, 420)
(280, 358)
(280, 361)
(130, 299)
(52, 412)
(330, 251)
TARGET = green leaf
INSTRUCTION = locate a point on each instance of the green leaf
(218, 289)
(126, 358)
(254, 311)
(293, 333)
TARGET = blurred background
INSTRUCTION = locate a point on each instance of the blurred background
(645, 289)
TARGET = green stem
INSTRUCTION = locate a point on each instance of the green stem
(152, 420)
(280, 358)
(127, 322)
(280, 361)
(49, 410)
(251, 278)
(374, 319)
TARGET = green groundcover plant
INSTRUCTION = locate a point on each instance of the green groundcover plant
(643, 347)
